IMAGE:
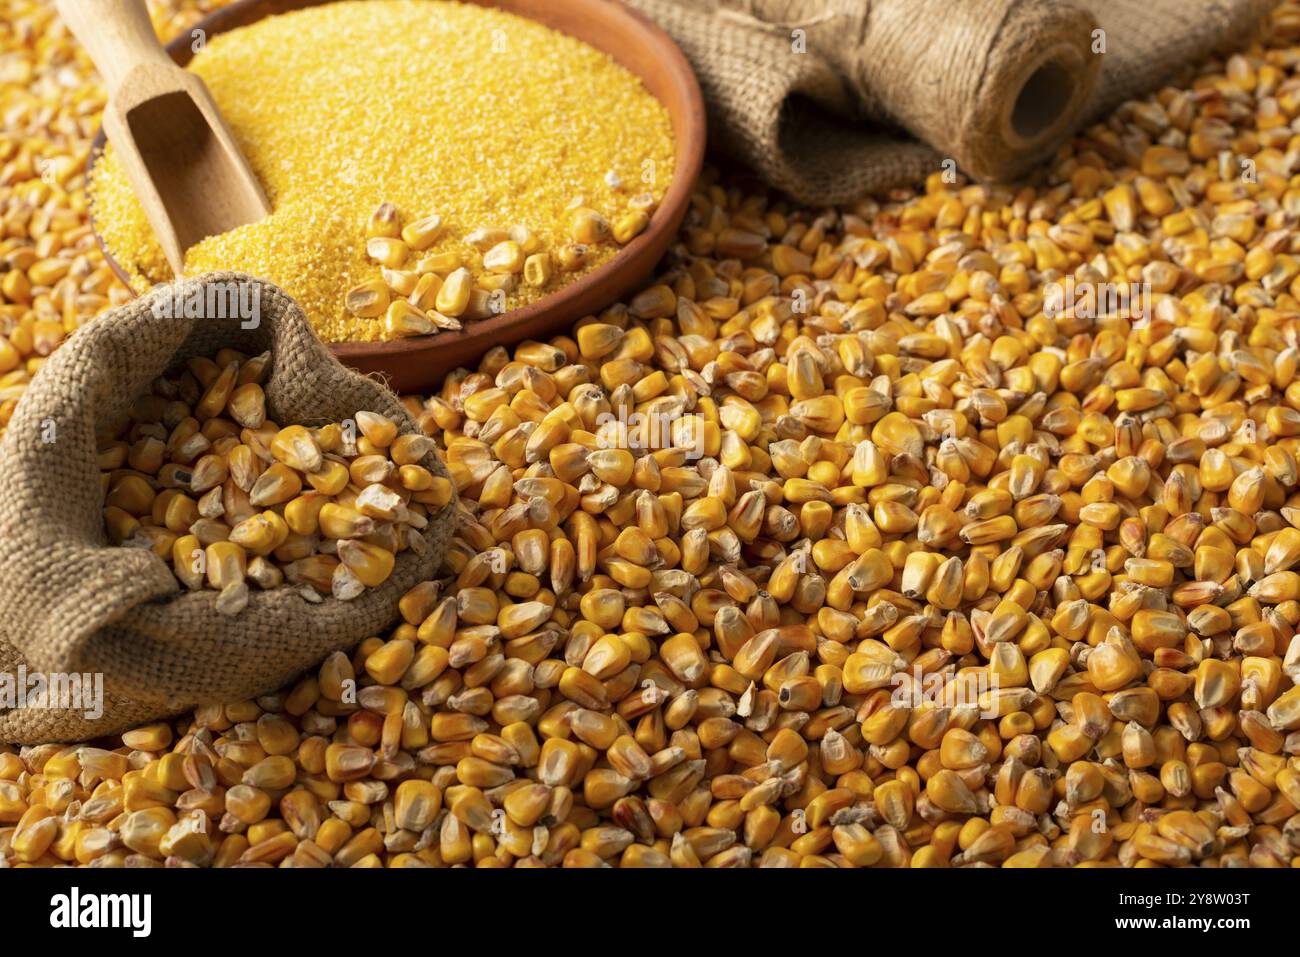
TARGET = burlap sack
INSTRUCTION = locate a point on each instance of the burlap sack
(70, 603)
(819, 96)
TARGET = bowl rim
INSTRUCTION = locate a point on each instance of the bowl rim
(688, 163)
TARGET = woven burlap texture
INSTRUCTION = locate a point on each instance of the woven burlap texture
(70, 603)
(834, 100)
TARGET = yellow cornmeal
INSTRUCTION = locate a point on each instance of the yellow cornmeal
(482, 117)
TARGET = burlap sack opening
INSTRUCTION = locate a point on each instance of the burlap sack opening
(834, 100)
(70, 603)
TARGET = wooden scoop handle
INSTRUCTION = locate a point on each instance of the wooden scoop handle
(117, 34)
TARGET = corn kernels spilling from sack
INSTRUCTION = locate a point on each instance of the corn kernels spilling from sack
(199, 475)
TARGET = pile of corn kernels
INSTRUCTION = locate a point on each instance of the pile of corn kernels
(841, 544)
(438, 291)
(201, 477)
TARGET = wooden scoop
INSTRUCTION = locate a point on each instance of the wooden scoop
(178, 154)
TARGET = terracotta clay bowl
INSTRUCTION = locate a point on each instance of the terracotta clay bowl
(418, 364)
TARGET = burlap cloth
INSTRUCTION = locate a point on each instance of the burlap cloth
(819, 96)
(70, 603)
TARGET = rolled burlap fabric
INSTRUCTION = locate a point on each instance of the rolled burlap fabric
(832, 100)
(70, 603)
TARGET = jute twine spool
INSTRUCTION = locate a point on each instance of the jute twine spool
(831, 100)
